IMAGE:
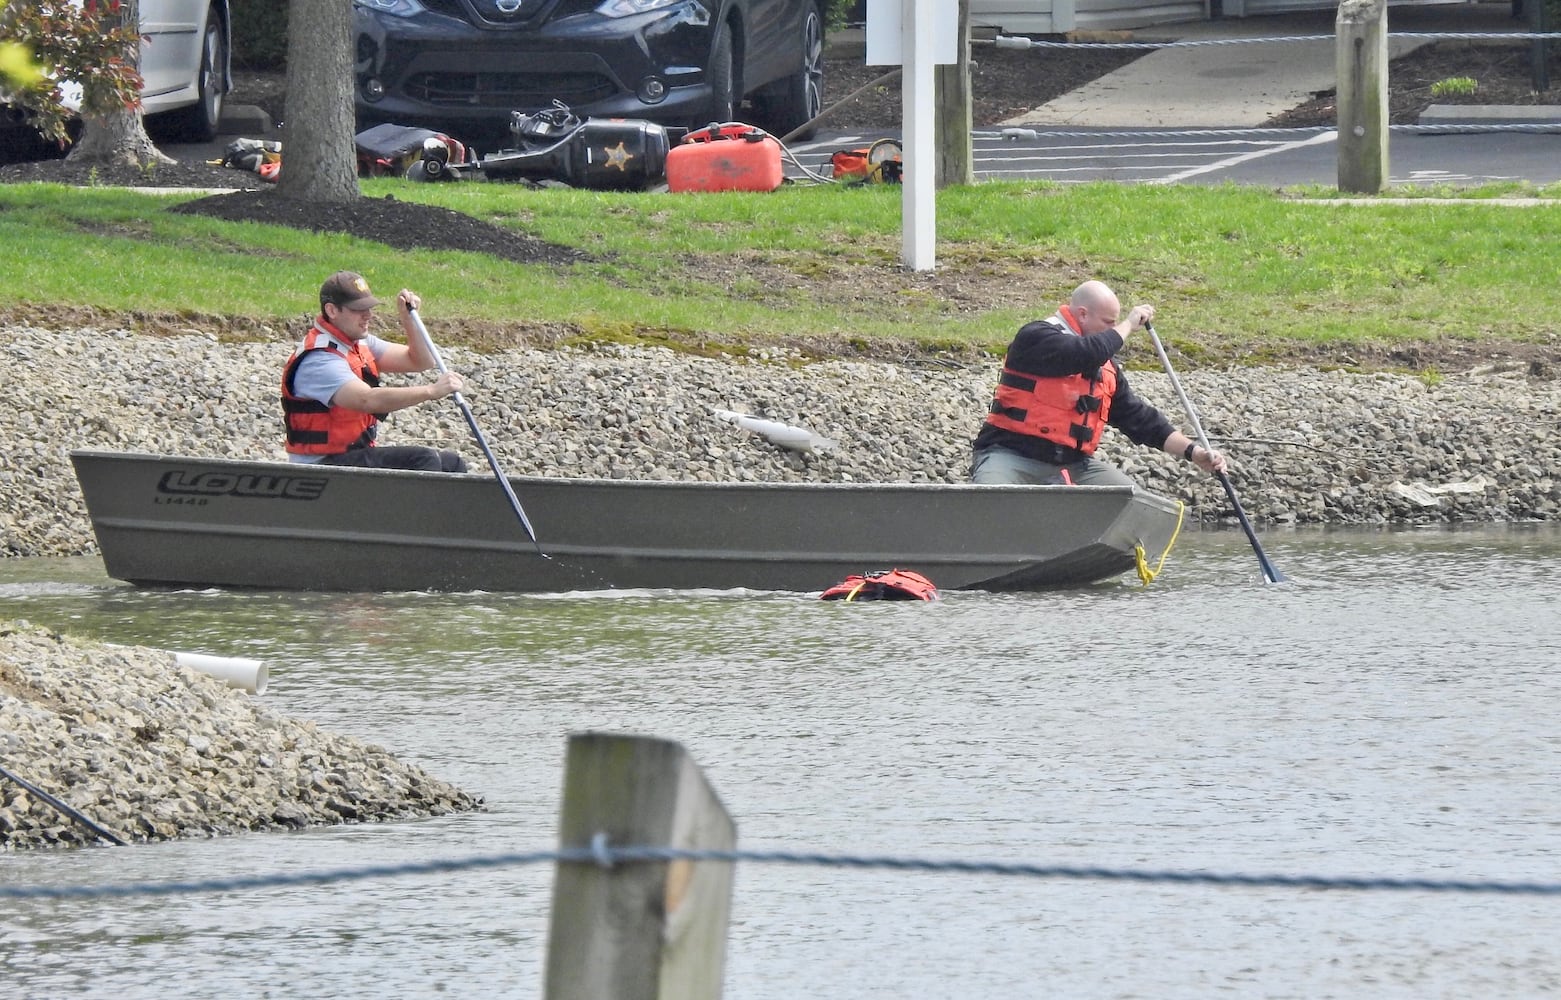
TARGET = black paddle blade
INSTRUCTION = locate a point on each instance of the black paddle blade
(1271, 572)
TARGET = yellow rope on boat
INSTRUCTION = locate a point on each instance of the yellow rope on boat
(856, 590)
(1145, 574)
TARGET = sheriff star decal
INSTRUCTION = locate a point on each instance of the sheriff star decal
(618, 157)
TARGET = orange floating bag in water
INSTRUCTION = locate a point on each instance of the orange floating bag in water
(883, 585)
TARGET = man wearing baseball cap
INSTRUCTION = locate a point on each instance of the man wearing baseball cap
(332, 400)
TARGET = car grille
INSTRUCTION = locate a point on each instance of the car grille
(487, 11)
(508, 90)
(451, 7)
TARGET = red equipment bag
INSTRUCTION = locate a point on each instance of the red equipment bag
(849, 164)
(881, 163)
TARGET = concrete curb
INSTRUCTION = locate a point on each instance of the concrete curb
(1491, 114)
(245, 120)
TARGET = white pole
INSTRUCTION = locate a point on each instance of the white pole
(918, 199)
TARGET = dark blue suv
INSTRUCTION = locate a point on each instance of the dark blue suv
(462, 66)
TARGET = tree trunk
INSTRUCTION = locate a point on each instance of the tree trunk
(118, 136)
(319, 158)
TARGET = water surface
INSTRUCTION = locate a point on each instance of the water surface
(1389, 711)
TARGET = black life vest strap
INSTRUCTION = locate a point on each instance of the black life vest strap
(366, 439)
(1014, 380)
(301, 405)
(1014, 413)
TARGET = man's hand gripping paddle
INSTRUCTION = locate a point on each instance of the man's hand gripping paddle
(482, 442)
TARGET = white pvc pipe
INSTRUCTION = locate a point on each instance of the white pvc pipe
(244, 674)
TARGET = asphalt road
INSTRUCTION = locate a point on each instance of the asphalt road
(1245, 156)
(1273, 158)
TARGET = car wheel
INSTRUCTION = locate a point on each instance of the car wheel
(722, 74)
(792, 102)
(198, 122)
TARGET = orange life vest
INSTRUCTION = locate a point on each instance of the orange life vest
(313, 428)
(1070, 410)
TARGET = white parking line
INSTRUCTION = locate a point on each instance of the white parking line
(1195, 144)
(1086, 173)
(1448, 177)
(1232, 161)
(1161, 161)
(1071, 156)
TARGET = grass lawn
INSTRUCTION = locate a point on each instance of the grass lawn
(1237, 273)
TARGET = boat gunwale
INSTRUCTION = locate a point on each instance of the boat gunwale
(660, 484)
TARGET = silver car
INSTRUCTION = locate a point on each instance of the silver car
(186, 69)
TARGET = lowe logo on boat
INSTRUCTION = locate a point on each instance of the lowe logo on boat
(226, 484)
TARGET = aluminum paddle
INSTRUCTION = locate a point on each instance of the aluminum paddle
(1271, 573)
(482, 442)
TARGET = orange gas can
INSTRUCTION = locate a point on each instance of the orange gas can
(730, 157)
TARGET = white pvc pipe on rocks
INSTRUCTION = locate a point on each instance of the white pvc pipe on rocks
(244, 674)
(247, 675)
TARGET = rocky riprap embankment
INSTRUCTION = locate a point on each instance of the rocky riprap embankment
(1306, 446)
(150, 751)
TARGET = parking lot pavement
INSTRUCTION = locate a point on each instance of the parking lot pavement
(1277, 157)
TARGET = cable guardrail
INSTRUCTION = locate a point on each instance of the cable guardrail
(1020, 42)
(1201, 133)
(1030, 134)
(605, 855)
(1440, 128)
(1021, 135)
(1020, 139)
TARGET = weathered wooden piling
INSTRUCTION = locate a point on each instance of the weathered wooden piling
(1361, 65)
(639, 930)
(951, 90)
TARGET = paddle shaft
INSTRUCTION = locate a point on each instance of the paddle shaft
(482, 442)
(1271, 573)
(61, 807)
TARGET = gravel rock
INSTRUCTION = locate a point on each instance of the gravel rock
(154, 751)
(1306, 446)
(148, 750)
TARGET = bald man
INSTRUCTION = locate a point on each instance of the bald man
(1059, 389)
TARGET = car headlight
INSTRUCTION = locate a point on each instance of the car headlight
(623, 8)
(395, 8)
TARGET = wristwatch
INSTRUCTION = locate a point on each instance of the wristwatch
(1191, 447)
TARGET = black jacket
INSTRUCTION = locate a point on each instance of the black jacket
(1046, 350)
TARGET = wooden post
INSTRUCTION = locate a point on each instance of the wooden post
(956, 159)
(638, 930)
(1539, 54)
(1361, 65)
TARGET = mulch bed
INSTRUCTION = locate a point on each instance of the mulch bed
(404, 225)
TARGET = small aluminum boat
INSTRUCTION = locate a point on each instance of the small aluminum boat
(165, 520)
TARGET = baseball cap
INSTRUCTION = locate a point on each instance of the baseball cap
(348, 290)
